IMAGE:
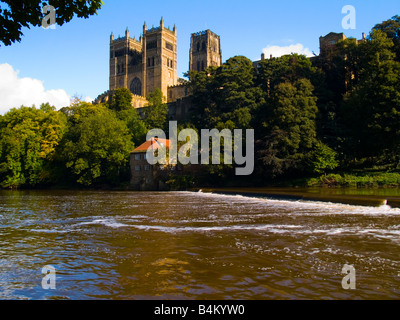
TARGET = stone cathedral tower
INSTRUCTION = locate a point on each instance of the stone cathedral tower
(205, 51)
(150, 62)
(145, 64)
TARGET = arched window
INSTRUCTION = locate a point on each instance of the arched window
(202, 66)
(136, 87)
(198, 65)
(198, 46)
(203, 48)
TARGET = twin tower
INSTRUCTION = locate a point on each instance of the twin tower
(150, 62)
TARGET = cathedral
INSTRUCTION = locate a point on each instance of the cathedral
(150, 62)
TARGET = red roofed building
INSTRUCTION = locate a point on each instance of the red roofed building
(155, 143)
(143, 175)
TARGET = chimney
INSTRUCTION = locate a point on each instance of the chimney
(270, 56)
(262, 56)
(363, 36)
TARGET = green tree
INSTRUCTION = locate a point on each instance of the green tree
(288, 68)
(227, 93)
(392, 29)
(136, 126)
(122, 104)
(14, 15)
(121, 100)
(224, 97)
(28, 141)
(323, 159)
(97, 146)
(290, 128)
(157, 111)
(372, 110)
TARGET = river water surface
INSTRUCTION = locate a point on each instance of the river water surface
(193, 245)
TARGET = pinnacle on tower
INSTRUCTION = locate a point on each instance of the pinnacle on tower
(162, 22)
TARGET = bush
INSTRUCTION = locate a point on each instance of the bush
(181, 182)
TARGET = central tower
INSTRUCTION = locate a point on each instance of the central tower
(146, 64)
(159, 58)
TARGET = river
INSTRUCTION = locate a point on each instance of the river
(194, 245)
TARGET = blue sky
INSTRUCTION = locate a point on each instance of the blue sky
(74, 59)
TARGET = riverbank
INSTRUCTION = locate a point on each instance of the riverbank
(362, 179)
(351, 195)
(361, 197)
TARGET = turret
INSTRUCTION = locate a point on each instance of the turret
(112, 37)
(127, 33)
(162, 23)
(144, 28)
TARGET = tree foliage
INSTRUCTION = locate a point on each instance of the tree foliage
(392, 29)
(290, 127)
(225, 96)
(97, 146)
(29, 138)
(122, 105)
(16, 14)
(121, 100)
(157, 111)
(323, 159)
(372, 110)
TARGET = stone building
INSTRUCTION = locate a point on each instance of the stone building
(147, 177)
(328, 42)
(143, 175)
(150, 62)
(205, 50)
(145, 64)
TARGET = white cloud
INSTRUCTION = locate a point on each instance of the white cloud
(15, 91)
(278, 51)
(89, 99)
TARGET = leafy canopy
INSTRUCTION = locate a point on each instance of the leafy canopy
(97, 146)
(29, 138)
(157, 111)
(122, 104)
(16, 14)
